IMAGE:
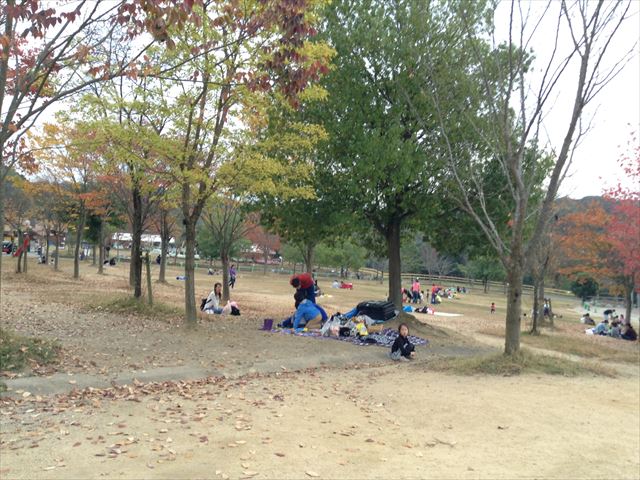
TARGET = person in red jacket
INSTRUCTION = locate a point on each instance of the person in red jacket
(304, 282)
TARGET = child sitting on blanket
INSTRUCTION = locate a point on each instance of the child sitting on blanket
(402, 349)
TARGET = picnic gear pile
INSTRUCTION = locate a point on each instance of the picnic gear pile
(363, 325)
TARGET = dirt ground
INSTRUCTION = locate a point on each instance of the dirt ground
(277, 406)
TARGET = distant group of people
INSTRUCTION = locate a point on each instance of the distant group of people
(416, 295)
(611, 325)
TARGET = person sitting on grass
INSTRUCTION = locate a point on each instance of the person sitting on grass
(587, 320)
(214, 301)
(402, 349)
(628, 333)
(602, 328)
(614, 330)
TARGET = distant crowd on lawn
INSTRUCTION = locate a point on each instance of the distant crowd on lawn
(611, 325)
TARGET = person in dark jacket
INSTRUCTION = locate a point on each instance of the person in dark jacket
(402, 348)
(628, 333)
(305, 284)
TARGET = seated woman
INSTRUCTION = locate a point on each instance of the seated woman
(628, 333)
(214, 300)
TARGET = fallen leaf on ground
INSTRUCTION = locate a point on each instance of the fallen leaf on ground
(311, 473)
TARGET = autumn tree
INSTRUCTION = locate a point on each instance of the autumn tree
(624, 229)
(68, 153)
(128, 117)
(220, 69)
(19, 205)
(47, 54)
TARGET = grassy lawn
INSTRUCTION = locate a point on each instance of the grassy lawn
(131, 306)
(589, 347)
(524, 362)
(17, 351)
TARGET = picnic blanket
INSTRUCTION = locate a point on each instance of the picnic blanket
(385, 338)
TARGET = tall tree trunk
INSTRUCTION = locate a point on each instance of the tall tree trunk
(57, 254)
(135, 275)
(308, 256)
(19, 260)
(536, 307)
(189, 273)
(514, 305)
(147, 261)
(24, 260)
(164, 246)
(395, 264)
(226, 294)
(266, 259)
(46, 251)
(540, 284)
(79, 232)
(93, 255)
(101, 247)
(628, 297)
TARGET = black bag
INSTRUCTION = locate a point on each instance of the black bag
(235, 311)
(377, 310)
(203, 303)
(345, 331)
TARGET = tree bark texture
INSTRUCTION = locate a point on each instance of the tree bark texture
(147, 262)
(165, 237)
(136, 244)
(57, 254)
(395, 264)
(226, 294)
(19, 260)
(79, 232)
(189, 273)
(308, 256)
(514, 307)
(46, 252)
(628, 297)
(24, 260)
(101, 248)
(536, 308)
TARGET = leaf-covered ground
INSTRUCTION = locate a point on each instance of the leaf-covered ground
(276, 406)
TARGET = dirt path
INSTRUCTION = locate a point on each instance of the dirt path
(353, 415)
(397, 421)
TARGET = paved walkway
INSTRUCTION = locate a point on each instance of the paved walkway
(361, 357)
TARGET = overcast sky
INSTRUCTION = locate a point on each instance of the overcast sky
(614, 114)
